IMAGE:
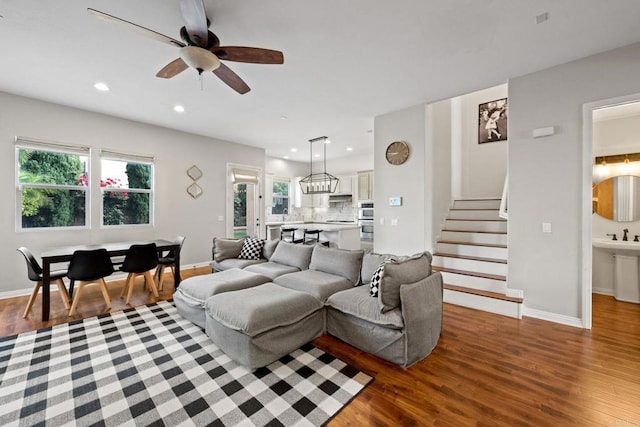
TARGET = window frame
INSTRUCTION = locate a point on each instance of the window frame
(23, 143)
(128, 158)
(274, 197)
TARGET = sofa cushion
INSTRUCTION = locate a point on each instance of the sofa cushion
(401, 272)
(226, 248)
(293, 255)
(271, 269)
(376, 279)
(226, 264)
(269, 247)
(261, 308)
(341, 262)
(251, 248)
(370, 263)
(317, 283)
(358, 303)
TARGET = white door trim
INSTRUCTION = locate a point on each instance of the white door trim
(229, 196)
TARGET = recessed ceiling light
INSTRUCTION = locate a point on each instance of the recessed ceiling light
(286, 157)
(101, 86)
(293, 150)
(316, 155)
(178, 108)
(349, 149)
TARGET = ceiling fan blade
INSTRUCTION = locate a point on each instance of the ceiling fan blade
(172, 69)
(254, 55)
(195, 20)
(135, 27)
(231, 79)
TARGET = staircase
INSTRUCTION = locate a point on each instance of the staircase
(472, 257)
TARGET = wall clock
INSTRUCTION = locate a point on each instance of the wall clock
(397, 152)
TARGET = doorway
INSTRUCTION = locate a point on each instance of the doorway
(243, 201)
(610, 109)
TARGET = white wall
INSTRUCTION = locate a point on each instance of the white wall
(546, 176)
(484, 166)
(439, 197)
(176, 212)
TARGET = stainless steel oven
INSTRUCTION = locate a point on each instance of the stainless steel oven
(366, 229)
(365, 210)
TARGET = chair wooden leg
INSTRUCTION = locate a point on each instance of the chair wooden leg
(76, 298)
(126, 285)
(105, 292)
(130, 280)
(160, 278)
(152, 284)
(64, 294)
(32, 299)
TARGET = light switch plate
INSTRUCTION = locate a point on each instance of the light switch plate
(546, 227)
(394, 221)
(220, 218)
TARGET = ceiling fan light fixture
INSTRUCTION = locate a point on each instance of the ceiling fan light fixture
(199, 58)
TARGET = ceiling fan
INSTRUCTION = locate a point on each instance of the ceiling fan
(200, 48)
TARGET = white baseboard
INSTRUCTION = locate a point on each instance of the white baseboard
(116, 276)
(515, 293)
(603, 291)
(553, 317)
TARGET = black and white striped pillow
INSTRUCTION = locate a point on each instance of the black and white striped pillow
(252, 248)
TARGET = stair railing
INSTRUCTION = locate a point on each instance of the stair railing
(504, 202)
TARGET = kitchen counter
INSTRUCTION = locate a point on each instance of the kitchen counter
(338, 234)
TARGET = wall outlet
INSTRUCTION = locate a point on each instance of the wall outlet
(546, 227)
(220, 218)
(394, 221)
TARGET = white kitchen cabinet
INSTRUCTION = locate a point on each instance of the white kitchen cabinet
(365, 185)
(345, 185)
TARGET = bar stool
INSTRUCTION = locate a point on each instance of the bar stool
(140, 260)
(34, 272)
(89, 267)
(311, 236)
(288, 234)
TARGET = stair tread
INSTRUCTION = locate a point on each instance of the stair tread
(475, 209)
(471, 258)
(473, 231)
(470, 273)
(476, 199)
(458, 242)
(478, 292)
(474, 219)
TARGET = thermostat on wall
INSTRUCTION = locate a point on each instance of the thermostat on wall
(395, 201)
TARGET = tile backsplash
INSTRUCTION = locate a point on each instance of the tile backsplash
(339, 212)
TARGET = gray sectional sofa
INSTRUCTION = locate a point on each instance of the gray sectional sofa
(262, 310)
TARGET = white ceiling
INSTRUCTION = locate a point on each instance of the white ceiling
(345, 61)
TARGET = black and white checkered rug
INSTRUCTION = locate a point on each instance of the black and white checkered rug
(150, 366)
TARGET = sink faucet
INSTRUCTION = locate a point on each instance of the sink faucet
(624, 238)
(285, 212)
(614, 236)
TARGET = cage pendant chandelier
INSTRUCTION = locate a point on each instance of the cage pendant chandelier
(318, 183)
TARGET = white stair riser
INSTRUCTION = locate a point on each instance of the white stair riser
(492, 305)
(474, 214)
(473, 282)
(477, 204)
(471, 250)
(471, 265)
(471, 237)
(495, 226)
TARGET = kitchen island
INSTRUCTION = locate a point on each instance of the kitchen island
(339, 235)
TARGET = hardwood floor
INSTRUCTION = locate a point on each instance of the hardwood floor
(486, 370)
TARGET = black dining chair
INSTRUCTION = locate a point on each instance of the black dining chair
(89, 266)
(139, 261)
(34, 272)
(167, 261)
(288, 234)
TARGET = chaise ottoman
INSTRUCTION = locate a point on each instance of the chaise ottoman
(257, 326)
(194, 291)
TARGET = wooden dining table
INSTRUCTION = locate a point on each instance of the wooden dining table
(65, 253)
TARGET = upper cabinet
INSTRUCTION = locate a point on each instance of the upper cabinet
(365, 185)
(345, 185)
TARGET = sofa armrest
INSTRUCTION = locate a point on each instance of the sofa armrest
(421, 304)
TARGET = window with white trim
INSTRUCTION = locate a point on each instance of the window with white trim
(51, 185)
(126, 186)
(280, 201)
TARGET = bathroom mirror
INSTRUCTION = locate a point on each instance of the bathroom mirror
(618, 198)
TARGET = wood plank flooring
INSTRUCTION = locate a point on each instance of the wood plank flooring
(487, 370)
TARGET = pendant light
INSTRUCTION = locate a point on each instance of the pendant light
(318, 183)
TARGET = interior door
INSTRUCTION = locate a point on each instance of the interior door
(244, 204)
